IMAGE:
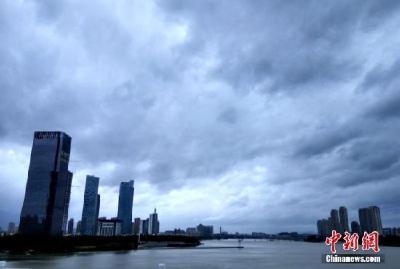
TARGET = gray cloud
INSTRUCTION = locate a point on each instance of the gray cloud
(218, 110)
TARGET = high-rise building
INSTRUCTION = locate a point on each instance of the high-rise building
(323, 228)
(71, 227)
(370, 219)
(154, 224)
(48, 188)
(78, 228)
(144, 226)
(355, 227)
(344, 219)
(125, 203)
(364, 216)
(12, 229)
(136, 226)
(376, 222)
(90, 206)
(335, 220)
(97, 206)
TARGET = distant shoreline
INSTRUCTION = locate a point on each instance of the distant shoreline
(19, 244)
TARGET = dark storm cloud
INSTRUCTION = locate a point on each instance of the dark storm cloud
(291, 47)
(252, 104)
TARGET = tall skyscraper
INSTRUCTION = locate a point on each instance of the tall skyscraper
(323, 228)
(136, 226)
(125, 203)
(71, 227)
(48, 188)
(154, 224)
(335, 220)
(376, 222)
(144, 226)
(344, 219)
(78, 227)
(90, 212)
(370, 219)
(355, 227)
(364, 216)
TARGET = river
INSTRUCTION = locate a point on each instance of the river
(255, 254)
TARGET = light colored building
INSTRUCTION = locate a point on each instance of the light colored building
(154, 224)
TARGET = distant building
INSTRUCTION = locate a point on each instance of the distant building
(125, 204)
(370, 219)
(175, 232)
(323, 228)
(191, 231)
(154, 224)
(355, 227)
(387, 231)
(144, 224)
(335, 221)
(376, 222)
(90, 206)
(205, 231)
(109, 227)
(71, 226)
(12, 229)
(48, 188)
(136, 226)
(78, 227)
(344, 219)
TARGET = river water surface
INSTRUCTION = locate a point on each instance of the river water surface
(255, 254)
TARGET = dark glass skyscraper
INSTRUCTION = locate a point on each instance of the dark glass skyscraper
(344, 219)
(335, 220)
(70, 227)
(125, 203)
(48, 188)
(91, 203)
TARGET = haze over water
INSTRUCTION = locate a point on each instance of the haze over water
(255, 254)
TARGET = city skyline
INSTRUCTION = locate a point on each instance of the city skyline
(221, 111)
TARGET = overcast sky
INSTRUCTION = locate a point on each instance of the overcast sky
(250, 115)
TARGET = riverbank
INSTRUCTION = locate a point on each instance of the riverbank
(18, 244)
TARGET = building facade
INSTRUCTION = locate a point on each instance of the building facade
(370, 219)
(205, 230)
(12, 228)
(154, 224)
(344, 219)
(109, 227)
(91, 205)
(125, 204)
(48, 188)
(355, 227)
(136, 226)
(144, 226)
(335, 223)
(70, 227)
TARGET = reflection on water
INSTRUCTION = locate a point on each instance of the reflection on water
(255, 254)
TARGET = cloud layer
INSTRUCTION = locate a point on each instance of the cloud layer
(251, 115)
